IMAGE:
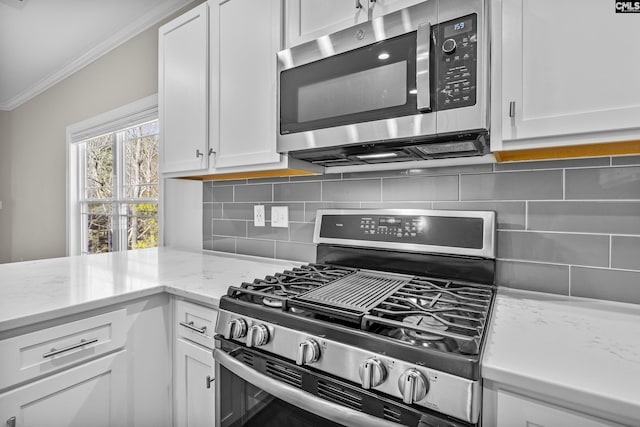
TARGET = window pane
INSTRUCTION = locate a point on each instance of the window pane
(141, 161)
(99, 163)
(98, 221)
(142, 225)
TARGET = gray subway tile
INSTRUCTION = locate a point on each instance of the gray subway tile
(222, 244)
(613, 285)
(558, 248)
(263, 248)
(302, 232)
(397, 205)
(254, 193)
(603, 183)
(585, 217)
(225, 227)
(207, 220)
(207, 243)
(297, 191)
(315, 177)
(270, 179)
(267, 232)
(625, 252)
(304, 252)
(239, 211)
(552, 164)
(422, 188)
(311, 208)
(345, 191)
(530, 185)
(216, 210)
(625, 160)
(549, 278)
(222, 194)
(207, 192)
(509, 215)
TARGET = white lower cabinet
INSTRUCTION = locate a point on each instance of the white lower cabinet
(194, 385)
(502, 408)
(92, 394)
(193, 366)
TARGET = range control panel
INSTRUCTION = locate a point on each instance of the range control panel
(450, 231)
(456, 57)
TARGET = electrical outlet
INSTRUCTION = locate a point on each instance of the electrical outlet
(258, 215)
(280, 216)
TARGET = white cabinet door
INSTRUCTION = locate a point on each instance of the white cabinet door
(565, 73)
(194, 385)
(520, 411)
(88, 395)
(309, 19)
(183, 92)
(382, 7)
(245, 38)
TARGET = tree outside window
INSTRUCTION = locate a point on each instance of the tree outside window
(118, 194)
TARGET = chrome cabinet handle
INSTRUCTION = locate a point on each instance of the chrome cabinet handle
(423, 52)
(307, 401)
(209, 381)
(211, 151)
(199, 153)
(82, 342)
(11, 422)
(189, 325)
(512, 109)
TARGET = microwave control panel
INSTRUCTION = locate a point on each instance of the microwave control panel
(456, 57)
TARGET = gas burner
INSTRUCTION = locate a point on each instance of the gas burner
(274, 301)
(420, 327)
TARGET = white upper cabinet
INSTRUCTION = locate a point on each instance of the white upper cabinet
(183, 98)
(309, 19)
(564, 73)
(245, 37)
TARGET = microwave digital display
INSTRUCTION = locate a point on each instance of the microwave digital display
(458, 27)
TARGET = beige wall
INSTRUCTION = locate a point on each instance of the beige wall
(33, 145)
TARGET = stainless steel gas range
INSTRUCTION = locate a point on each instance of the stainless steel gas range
(385, 329)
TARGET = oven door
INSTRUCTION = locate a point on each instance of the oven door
(256, 389)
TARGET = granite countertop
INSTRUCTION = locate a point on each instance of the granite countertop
(35, 291)
(578, 351)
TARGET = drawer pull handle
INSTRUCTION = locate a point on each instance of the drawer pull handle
(209, 381)
(189, 325)
(82, 342)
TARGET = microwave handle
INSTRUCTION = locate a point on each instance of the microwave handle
(310, 403)
(423, 52)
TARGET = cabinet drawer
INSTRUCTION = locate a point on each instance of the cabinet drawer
(195, 322)
(37, 353)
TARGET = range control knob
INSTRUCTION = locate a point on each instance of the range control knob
(236, 328)
(258, 335)
(413, 386)
(449, 46)
(308, 352)
(372, 373)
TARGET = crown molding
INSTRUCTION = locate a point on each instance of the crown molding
(136, 27)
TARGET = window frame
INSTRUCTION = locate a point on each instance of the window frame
(111, 122)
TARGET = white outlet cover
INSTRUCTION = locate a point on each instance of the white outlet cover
(280, 216)
(258, 215)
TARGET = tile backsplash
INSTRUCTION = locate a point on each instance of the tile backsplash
(566, 227)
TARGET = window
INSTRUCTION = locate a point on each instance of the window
(113, 181)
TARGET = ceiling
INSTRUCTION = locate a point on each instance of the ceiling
(44, 41)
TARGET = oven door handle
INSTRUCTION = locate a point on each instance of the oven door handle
(301, 399)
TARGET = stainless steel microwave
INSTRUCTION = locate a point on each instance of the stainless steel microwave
(410, 85)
